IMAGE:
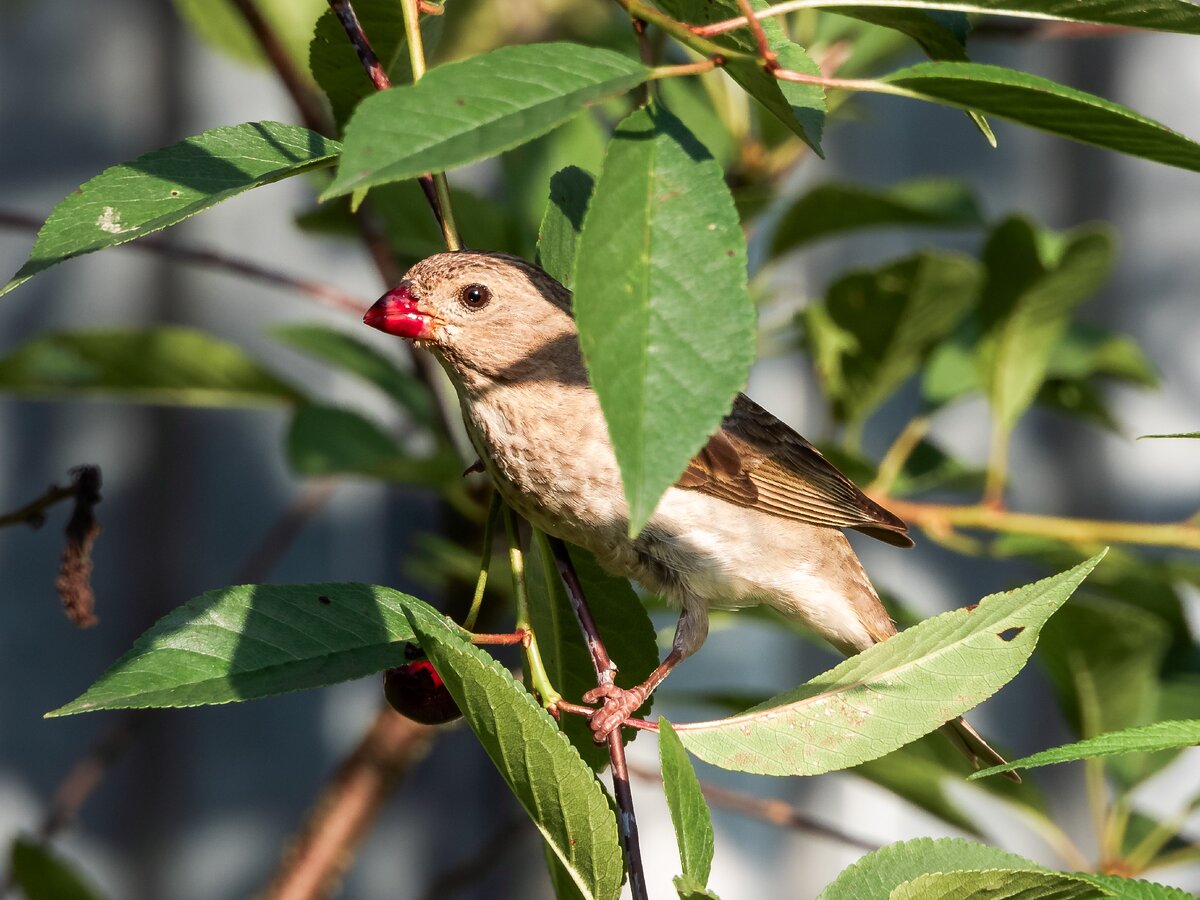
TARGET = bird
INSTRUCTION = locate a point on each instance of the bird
(757, 517)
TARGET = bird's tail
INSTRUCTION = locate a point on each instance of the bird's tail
(974, 747)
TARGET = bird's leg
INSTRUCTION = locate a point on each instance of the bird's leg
(621, 703)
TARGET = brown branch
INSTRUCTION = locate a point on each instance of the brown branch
(605, 670)
(349, 805)
(775, 812)
(33, 513)
(325, 294)
(308, 103)
(765, 54)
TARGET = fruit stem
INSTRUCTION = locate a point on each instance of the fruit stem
(485, 559)
(539, 680)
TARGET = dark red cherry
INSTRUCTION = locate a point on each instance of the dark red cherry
(417, 691)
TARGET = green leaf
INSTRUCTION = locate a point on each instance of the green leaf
(800, 107)
(688, 888)
(942, 34)
(890, 694)
(885, 322)
(1135, 889)
(665, 318)
(324, 440)
(1034, 280)
(255, 640)
(219, 24)
(1188, 434)
(1087, 351)
(1146, 738)
(832, 209)
(335, 64)
(41, 874)
(621, 620)
(1158, 15)
(1048, 106)
(352, 355)
(167, 365)
(685, 801)
(544, 772)
(570, 191)
(467, 111)
(877, 874)
(167, 186)
(528, 169)
(998, 884)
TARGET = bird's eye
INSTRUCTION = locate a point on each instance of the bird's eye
(475, 296)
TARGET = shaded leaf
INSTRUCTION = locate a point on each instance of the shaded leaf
(335, 65)
(890, 694)
(570, 191)
(352, 355)
(1159, 15)
(688, 888)
(167, 186)
(1048, 106)
(665, 319)
(877, 874)
(219, 24)
(1146, 738)
(1086, 351)
(469, 110)
(884, 323)
(942, 34)
(800, 107)
(528, 169)
(167, 365)
(999, 884)
(543, 770)
(831, 209)
(689, 811)
(255, 640)
(324, 440)
(41, 874)
(1034, 280)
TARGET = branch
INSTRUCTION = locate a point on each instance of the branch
(325, 294)
(349, 805)
(941, 519)
(308, 103)
(626, 820)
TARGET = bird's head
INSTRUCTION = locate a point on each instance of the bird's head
(487, 313)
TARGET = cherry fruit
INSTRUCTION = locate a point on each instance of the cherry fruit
(417, 691)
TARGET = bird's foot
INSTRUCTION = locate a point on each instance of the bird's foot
(619, 705)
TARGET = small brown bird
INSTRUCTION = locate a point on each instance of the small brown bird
(756, 517)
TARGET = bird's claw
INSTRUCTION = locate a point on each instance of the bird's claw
(619, 705)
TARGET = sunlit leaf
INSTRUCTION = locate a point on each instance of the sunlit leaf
(167, 186)
(685, 801)
(665, 318)
(890, 694)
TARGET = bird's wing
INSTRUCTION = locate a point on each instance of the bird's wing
(757, 461)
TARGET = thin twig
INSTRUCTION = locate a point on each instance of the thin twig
(605, 670)
(33, 513)
(776, 812)
(945, 518)
(308, 104)
(325, 294)
(765, 54)
(349, 805)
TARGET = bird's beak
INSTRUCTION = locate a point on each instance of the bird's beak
(396, 312)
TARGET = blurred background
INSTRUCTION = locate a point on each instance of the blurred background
(203, 801)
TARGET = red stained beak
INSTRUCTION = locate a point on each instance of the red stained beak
(396, 313)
